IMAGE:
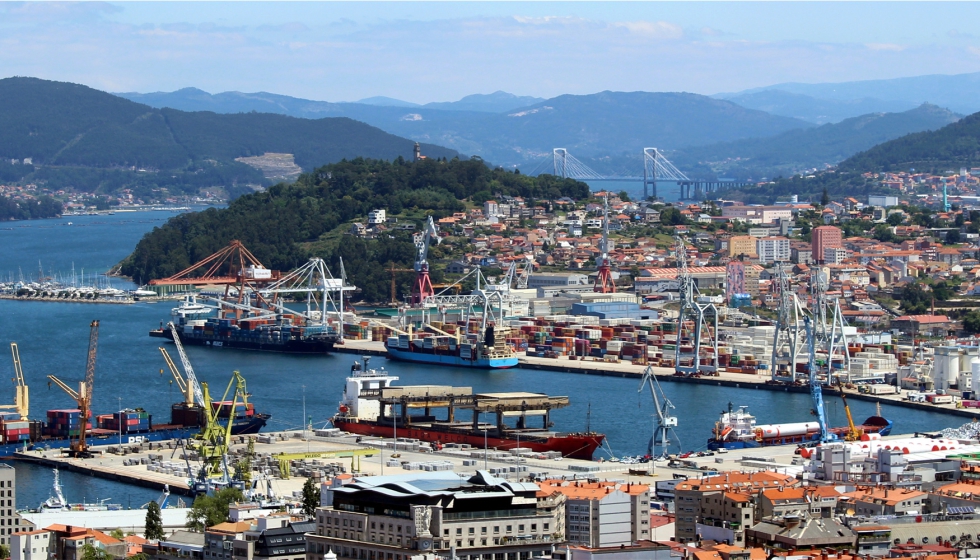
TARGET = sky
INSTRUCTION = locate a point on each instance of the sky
(442, 51)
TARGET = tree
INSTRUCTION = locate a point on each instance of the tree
(117, 534)
(942, 291)
(208, 511)
(311, 497)
(952, 237)
(154, 522)
(883, 233)
(895, 219)
(971, 323)
(624, 196)
(4, 551)
(824, 198)
(671, 216)
(90, 552)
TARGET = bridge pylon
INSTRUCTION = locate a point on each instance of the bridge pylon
(656, 167)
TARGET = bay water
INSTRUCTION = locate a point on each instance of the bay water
(53, 339)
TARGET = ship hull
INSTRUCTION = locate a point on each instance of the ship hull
(291, 346)
(574, 446)
(873, 425)
(451, 360)
(247, 426)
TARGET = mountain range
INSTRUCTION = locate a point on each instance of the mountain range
(82, 138)
(596, 125)
(832, 102)
(812, 148)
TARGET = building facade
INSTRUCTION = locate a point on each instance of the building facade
(824, 237)
(393, 518)
(772, 249)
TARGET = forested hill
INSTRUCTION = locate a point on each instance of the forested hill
(286, 224)
(93, 141)
(951, 147)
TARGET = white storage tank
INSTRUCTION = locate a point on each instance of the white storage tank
(947, 366)
(974, 376)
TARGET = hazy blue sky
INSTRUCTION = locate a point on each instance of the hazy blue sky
(438, 51)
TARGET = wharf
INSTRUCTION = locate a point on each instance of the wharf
(296, 446)
(61, 300)
(724, 379)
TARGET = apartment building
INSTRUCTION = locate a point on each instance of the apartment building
(724, 501)
(32, 545)
(396, 517)
(757, 214)
(279, 537)
(10, 522)
(772, 249)
(742, 245)
(824, 237)
(602, 514)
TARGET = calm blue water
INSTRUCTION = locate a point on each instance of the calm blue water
(53, 339)
(667, 190)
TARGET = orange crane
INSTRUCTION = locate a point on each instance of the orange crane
(83, 397)
(853, 433)
(393, 270)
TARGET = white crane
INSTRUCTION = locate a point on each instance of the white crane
(664, 421)
(191, 380)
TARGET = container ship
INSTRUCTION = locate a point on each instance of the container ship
(737, 429)
(453, 348)
(373, 406)
(276, 332)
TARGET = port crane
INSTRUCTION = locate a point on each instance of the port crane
(664, 421)
(816, 389)
(189, 387)
(423, 284)
(212, 443)
(21, 396)
(603, 281)
(83, 397)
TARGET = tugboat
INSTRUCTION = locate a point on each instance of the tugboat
(373, 406)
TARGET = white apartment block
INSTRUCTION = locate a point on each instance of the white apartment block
(772, 249)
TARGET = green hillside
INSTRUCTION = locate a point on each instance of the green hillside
(88, 140)
(286, 224)
(811, 148)
(951, 147)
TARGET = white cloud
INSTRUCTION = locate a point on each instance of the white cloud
(654, 29)
(885, 47)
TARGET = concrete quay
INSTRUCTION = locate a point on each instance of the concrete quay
(388, 460)
(724, 379)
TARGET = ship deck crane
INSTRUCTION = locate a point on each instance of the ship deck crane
(853, 433)
(21, 395)
(83, 397)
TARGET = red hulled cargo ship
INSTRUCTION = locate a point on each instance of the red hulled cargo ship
(372, 406)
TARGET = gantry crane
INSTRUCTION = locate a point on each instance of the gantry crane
(83, 396)
(21, 398)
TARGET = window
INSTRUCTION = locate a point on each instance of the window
(534, 526)
(510, 528)
(472, 530)
(520, 528)
(496, 529)
(459, 531)
(445, 532)
(483, 530)
(545, 527)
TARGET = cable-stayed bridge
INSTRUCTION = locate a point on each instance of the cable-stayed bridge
(656, 168)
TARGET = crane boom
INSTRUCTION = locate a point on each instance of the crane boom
(188, 369)
(853, 434)
(181, 384)
(816, 391)
(21, 395)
